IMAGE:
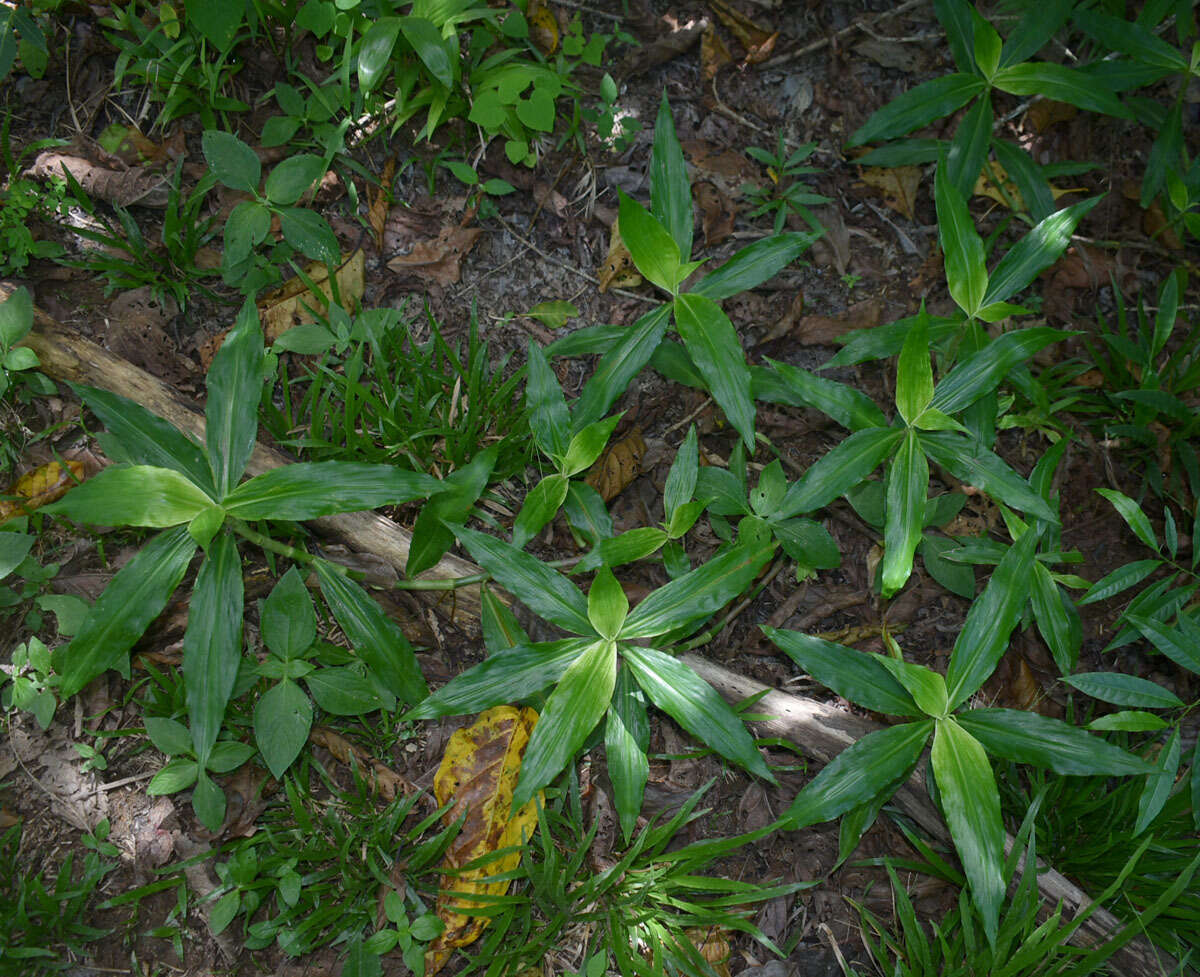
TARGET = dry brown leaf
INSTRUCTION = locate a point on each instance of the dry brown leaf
(897, 185)
(821, 330)
(40, 487)
(380, 201)
(618, 270)
(439, 259)
(123, 187)
(713, 944)
(620, 464)
(717, 213)
(292, 303)
(1023, 690)
(753, 38)
(126, 143)
(478, 774)
(662, 50)
(714, 55)
(1046, 112)
(995, 183)
(381, 777)
(543, 28)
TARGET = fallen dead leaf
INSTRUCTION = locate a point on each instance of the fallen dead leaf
(293, 303)
(439, 259)
(382, 777)
(820, 330)
(136, 185)
(380, 201)
(678, 39)
(618, 270)
(713, 944)
(897, 185)
(714, 55)
(620, 464)
(138, 323)
(478, 773)
(543, 28)
(1046, 112)
(758, 42)
(717, 213)
(126, 143)
(40, 487)
(995, 183)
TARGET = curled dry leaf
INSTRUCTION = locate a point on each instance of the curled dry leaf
(40, 487)
(713, 944)
(124, 187)
(380, 201)
(675, 42)
(714, 55)
(897, 185)
(758, 42)
(478, 774)
(382, 777)
(618, 270)
(620, 464)
(439, 259)
(717, 213)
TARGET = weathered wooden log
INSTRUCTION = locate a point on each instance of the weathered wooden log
(66, 355)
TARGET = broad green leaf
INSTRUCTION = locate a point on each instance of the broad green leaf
(375, 51)
(919, 106)
(969, 148)
(540, 506)
(14, 547)
(204, 525)
(971, 804)
(308, 490)
(754, 264)
(435, 52)
(571, 712)
(1062, 84)
(854, 675)
(681, 479)
(231, 161)
(808, 543)
(690, 701)
(431, 536)
(959, 20)
(783, 383)
(212, 643)
(549, 419)
(914, 374)
(134, 598)
(962, 247)
(1158, 784)
(927, 687)
(145, 438)
(714, 347)
(724, 490)
(981, 372)
(623, 359)
(1124, 690)
(175, 776)
(607, 604)
(636, 544)
(168, 736)
(1132, 513)
(508, 676)
(839, 470)
(16, 316)
(626, 739)
(670, 191)
(694, 596)
(1057, 619)
(1130, 37)
(1035, 252)
(973, 465)
(654, 251)
(990, 621)
(234, 392)
(343, 692)
(375, 638)
(288, 622)
(1033, 186)
(217, 20)
(293, 177)
(208, 801)
(136, 495)
(282, 721)
(1128, 721)
(1182, 648)
(1034, 30)
(586, 446)
(907, 486)
(247, 226)
(883, 341)
(544, 591)
(874, 766)
(1051, 744)
(309, 232)
(954, 577)
(1120, 579)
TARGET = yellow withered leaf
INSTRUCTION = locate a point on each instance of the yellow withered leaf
(897, 185)
(620, 464)
(478, 773)
(290, 304)
(40, 487)
(619, 270)
(994, 182)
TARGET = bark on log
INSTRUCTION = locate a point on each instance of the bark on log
(823, 731)
(66, 355)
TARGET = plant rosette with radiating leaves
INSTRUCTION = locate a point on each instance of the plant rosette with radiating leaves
(195, 496)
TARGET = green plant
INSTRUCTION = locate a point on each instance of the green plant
(862, 777)
(787, 194)
(18, 364)
(192, 494)
(45, 926)
(31, 682)
(25, 201)
(21, 22)
(636, 913)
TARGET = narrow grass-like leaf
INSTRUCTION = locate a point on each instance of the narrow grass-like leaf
(1051, 744)
(876, 765)
(966, 271)
(754, 264)
(670, 191)
(690, 701)
(437, 53)
(308, 490)
(971, 804)
(714, 347)
(854, 675)
(1033, 186)
(1133, 515)
(234, 391)
(133, 495)
(1062, 84)
(919, 106)
(969, 148)
(134, 598)
(375, 638)
(1130, 37)
(1124, 690)
(1120, 579)
(1034, 29)
(783, 383)
(573, 709)
(623, 359)
(981, 372)
(544, 591)
(1182, 648)
(839, 470)
(626, 739)
(907, 486)
(990, 621)
(681, 479)
(212, 643)
(914, 373)
(694, 596)
(1159, 784)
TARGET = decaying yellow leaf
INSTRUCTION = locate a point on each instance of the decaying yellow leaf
(713, 944)
(40, 487)
(897, 184)
(620, 464)
(618, 270)
(994, 182)
(543, 28)
(290, 304)
(478, 773)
